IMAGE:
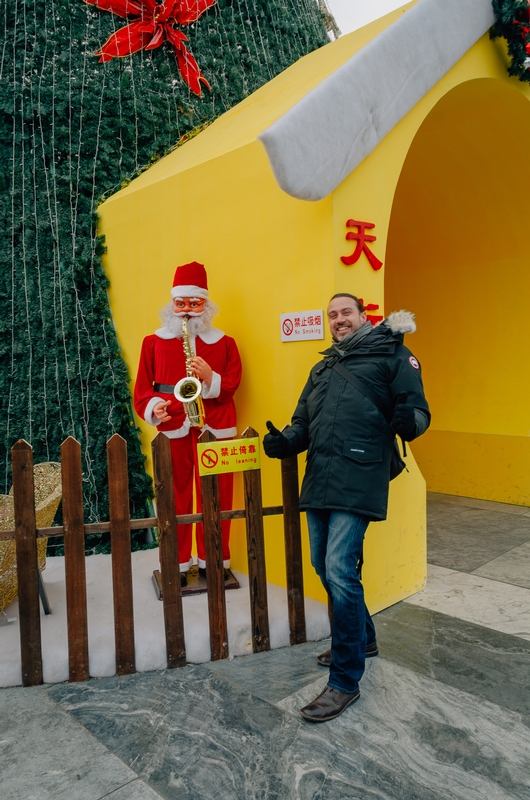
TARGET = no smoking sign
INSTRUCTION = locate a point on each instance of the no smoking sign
(287, 326)
(300, 326)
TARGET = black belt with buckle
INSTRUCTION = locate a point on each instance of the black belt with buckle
(166, 388)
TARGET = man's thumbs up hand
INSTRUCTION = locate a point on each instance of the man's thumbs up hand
(275, 444)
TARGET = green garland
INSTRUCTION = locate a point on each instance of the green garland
(513, 23)
(70, 130)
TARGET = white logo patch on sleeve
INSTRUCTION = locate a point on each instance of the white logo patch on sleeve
(414, 362)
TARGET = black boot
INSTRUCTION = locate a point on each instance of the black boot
(183, 579)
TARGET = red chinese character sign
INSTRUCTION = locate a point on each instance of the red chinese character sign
(363, 239)
(373, 318)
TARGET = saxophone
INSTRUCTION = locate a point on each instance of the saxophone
(188, 390)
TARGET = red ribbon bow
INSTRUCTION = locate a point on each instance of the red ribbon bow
(154, 26)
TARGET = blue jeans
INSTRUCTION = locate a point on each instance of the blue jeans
(336, 539)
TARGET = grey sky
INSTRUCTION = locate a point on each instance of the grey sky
(353, 14)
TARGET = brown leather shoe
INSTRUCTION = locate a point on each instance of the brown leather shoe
(324, 659)
(328, 705)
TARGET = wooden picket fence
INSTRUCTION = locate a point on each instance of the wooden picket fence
(120, 525)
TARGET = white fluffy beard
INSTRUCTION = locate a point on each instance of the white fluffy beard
(196, 325)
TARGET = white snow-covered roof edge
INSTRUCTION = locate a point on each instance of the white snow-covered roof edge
(315, 145)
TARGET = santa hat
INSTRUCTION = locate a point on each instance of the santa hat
(190, 281)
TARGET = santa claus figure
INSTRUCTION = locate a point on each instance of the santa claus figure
(217, 365)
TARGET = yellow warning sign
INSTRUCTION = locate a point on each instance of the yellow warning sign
(234, 455)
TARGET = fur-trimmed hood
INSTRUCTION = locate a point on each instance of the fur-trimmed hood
(400, 322)
(382, 337)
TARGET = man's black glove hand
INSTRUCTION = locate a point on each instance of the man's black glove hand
(274, 443)
(404, 421)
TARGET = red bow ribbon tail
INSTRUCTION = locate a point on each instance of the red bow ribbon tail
(189, 69)
(127, 40)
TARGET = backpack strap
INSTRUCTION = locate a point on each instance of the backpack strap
(365, 390)
(361, 387)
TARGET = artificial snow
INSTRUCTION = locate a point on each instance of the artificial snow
(148, 622)
(322, 138)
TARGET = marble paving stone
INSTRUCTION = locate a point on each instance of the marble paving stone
(475, 599)
(461, 503)
(512, 567)
(47, 755)
(478, 660)
(192, 735)
(445, 740)
(276, 674)
(467, 541)
(136, 790)
(439, 512)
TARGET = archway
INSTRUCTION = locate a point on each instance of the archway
(458, 255)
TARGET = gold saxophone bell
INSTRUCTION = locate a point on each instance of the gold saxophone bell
(189, 389)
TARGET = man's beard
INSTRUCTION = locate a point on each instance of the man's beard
(196, 325)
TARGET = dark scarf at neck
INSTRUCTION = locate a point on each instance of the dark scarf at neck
(352, 340)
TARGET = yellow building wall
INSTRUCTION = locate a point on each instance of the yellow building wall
(458, 255)
(267, 254)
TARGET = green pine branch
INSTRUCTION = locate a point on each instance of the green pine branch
(512, 16)
(71, 130)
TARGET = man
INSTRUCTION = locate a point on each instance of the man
(367, 389)
(217, 364)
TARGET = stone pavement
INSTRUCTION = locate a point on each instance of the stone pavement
(444, 711)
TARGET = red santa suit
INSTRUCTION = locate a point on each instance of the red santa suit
(162, 365)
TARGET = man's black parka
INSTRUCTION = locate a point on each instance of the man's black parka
(348, 440)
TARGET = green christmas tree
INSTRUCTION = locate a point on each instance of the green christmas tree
(72, 129)
(513, 24)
